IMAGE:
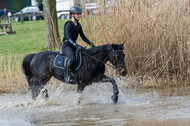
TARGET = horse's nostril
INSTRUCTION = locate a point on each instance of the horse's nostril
(124, 72)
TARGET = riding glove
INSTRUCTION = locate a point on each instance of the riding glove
(92, 44)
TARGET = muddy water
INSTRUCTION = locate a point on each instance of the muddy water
(169, 107)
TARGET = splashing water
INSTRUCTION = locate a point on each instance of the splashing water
(94, 107)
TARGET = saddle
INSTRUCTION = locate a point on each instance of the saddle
(60, 61)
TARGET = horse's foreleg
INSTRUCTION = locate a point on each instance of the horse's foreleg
(115, 88)
(80, 88)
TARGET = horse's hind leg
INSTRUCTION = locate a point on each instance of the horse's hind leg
(36, 88)
(80, 87)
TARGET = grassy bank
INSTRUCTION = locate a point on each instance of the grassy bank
(156, 35)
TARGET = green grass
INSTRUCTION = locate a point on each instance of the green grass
(29, 37)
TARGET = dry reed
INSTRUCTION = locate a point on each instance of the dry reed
(11, 76)
(156, 35)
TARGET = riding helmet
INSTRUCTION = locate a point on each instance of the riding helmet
(75, 9)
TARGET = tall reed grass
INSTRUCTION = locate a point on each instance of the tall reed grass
(156, 35)
(11, 75)
(12, 78)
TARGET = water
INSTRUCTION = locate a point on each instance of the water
(94, 107)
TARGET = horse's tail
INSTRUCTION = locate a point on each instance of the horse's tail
(26, 67)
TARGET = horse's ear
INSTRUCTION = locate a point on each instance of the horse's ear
(123, 43)
(113, 46)
(118, 46)
(121, 46)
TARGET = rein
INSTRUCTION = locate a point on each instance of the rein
(99, 60)
(113, 51)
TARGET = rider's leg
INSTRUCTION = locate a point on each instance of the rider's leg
(68, 51)
(68, 70)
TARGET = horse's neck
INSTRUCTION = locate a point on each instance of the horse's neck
(100, 53)
(101, 56)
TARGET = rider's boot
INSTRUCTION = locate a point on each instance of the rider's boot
(67, 72)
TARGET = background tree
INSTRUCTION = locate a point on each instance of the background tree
(16, 6)
(51, 25)
(39, 1)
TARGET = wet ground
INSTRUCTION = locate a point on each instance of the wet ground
(166, 107)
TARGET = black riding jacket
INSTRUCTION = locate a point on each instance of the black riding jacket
(71, 32)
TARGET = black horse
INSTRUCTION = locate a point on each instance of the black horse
(39, 68)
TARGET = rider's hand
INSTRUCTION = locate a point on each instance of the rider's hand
(92, 45)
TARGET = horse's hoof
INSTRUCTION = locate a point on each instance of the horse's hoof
(78, 102)
(114, 98)
(46, 97)
(45, 94)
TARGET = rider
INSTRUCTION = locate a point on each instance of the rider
(71, 30)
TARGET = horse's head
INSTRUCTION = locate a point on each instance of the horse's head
(116, 57)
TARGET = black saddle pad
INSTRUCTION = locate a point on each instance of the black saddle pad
(60, 61)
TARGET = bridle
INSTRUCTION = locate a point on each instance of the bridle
(115, 62)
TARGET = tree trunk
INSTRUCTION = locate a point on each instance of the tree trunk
(51, 25)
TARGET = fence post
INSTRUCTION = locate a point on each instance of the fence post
(21, 18)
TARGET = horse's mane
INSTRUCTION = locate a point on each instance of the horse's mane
(104, 48)
(101, 48)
